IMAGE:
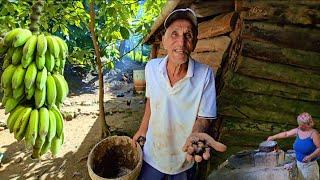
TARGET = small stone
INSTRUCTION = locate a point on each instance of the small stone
(67, 103)
(18, 160)
(86, 103)
(69, 117)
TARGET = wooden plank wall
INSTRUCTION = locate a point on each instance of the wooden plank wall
(275, 76)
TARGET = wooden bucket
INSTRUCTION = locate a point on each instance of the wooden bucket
(139, 81)
(115, 158)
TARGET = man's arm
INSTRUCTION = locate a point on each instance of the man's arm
(201, 125)
(142, 131)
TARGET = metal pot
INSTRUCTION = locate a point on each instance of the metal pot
(268, 146)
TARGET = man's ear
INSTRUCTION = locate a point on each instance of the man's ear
(164, 41)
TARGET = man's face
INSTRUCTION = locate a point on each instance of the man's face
(179, 41)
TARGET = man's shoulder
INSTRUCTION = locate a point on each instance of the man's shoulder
(153, 63)
(202, 67)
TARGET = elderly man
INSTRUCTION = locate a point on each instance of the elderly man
(180, 105)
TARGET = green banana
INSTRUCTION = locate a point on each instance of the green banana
(40, 97)
(6, 63)
(30, 46)
(51, 91)
(30, 92)
(8, 39)
(37, 147)
(18, 92)
(61, 89)
(17, 55)
(11, 104)
(63, 51)
(53, 46)
(31, 75)
(18, 76)
(13, 117)
(24, 116)
(9, 55)
(4, 100)
(8, 91)
(32, 131)
(40, 61)
(45, 147)
(3, 47)
(7, 74)
(41, 45)
(52, 126)
(19, 134)
(22, 37)
(59, 120)
(49, 61)
(55, 145)
(25, 61)
(41, 78)
(43, 122)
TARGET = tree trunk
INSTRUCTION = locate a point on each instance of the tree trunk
(104, 127)
(278, 72)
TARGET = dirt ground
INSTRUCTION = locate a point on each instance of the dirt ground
(123, 114)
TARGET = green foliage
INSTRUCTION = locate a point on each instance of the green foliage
(115, 20)
(137, 56)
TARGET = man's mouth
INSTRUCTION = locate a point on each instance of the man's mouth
(180, 51)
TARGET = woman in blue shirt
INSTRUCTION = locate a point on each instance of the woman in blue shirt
(306, 146)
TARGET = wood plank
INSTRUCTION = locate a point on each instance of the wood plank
(278, 72)
(253, 126)
(251, 141)
(243, 111)
(273, 53)
(268, 87)
(213, 59)
(219, 25)
(272, 103)
(284, 12)
(296, 37)
(220, 43)
(209, 8)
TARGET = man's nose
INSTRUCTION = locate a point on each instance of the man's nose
(182, 40)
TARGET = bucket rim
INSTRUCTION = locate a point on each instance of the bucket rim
(91, 172)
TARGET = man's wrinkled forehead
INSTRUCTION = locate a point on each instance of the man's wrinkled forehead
(181, 24)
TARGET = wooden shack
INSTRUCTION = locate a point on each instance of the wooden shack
(266, 57)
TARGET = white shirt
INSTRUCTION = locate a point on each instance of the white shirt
(174, 111)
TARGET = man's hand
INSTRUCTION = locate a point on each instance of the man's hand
(135, 138)
(198, 146)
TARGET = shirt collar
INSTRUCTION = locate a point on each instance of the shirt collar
(163, 66)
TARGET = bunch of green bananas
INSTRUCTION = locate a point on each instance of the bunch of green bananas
(34, 88)
(42, 128)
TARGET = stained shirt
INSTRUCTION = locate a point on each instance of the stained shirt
(174, 111)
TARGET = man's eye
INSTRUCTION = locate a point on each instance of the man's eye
(188, 36)
(174, 34)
